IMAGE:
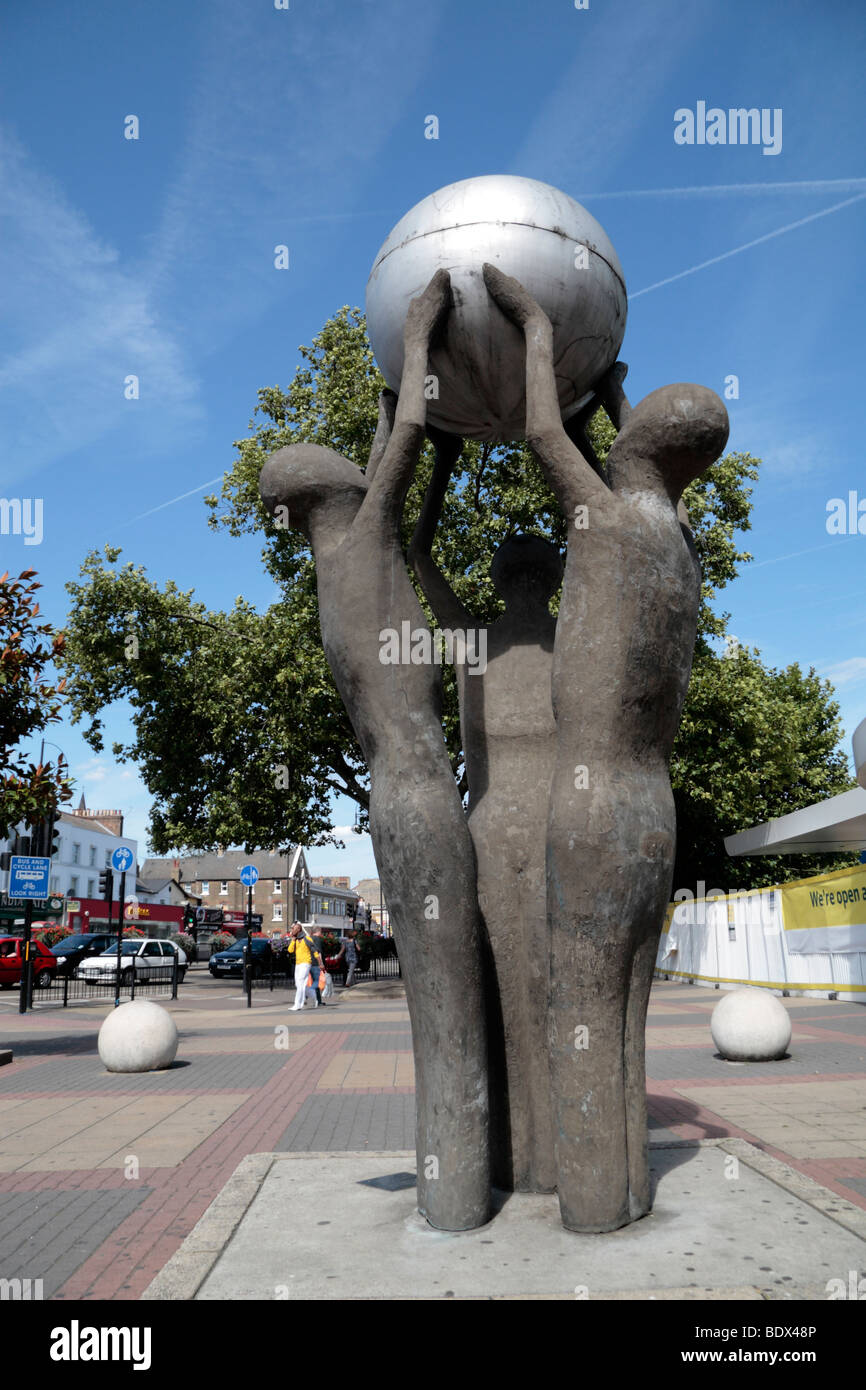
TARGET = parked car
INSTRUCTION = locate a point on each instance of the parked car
(72, 950)
(231, 962)
(139, 957)
(12, 962)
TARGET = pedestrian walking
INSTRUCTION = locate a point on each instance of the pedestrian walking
(318, 981)
(349, 951)
(303, 948)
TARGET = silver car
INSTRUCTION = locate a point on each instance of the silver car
(138, 957)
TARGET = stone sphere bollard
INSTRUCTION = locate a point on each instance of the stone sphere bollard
(138, 1036)
(751, 1025)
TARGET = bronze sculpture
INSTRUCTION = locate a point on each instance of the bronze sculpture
(592, 872)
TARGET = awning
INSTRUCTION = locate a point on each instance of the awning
(827, 828)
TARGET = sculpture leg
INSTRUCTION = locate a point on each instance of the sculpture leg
(513, 909)
(640, 1197)
(427, 868)
(605, 903)
(589, 982)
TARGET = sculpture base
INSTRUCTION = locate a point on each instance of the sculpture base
(345, 1225)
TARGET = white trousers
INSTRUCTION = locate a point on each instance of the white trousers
(302, 976)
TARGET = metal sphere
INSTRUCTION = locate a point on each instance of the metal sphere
(553, 246)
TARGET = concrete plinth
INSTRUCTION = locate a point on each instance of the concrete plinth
(729, 1222)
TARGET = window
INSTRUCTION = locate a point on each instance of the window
(278, 912)
(326, 906)
(91, 888)
(73, 886)
(108, 859)
(224, 885)
(92, 859)
(278, 885)
(205, 887)
(55, 883)
(76, 853)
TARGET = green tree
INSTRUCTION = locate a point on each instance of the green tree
(28, 703)
(754, 743)
(221, 702)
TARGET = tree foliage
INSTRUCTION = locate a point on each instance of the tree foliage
(221, 702)
(28, 703)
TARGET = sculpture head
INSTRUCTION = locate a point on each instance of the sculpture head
(526, 572)
(671, 437)
(316, 489)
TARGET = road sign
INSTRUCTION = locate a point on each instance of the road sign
(122, 859)
(28, 876)
(249, 875)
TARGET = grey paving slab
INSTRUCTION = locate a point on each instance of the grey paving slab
(686, 1020)
(48, 1235)
(340, 1122)
(709, 1233)
(807, 1059)
(37, 1045)
(221, 1071)
(856, 1184)
(855, 1026)
(830, 1014)
(399, 1039)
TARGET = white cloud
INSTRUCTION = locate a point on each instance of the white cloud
(594, 116)
(850, 672)
(76, 323)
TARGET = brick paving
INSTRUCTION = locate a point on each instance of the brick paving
(102, 1176)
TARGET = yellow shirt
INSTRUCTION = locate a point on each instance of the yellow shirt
(300, 948)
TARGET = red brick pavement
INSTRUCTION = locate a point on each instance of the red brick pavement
(126, 1263)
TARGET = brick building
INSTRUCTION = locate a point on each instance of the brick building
(281, 894)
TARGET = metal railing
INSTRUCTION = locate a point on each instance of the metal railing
(53, 991)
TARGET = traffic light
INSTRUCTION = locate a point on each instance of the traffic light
(45, 839)
(106, 885)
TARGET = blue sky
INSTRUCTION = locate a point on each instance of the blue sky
(306, 126)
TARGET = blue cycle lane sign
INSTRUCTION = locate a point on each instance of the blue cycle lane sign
(249, 875)
(28, 876)
(122, 860)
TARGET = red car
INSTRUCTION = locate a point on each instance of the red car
(12, 961)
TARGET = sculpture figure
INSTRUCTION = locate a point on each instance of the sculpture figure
(507, 729)
(624, 641)
(419, 832)
(528, 927)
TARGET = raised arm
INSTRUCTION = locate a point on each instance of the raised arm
(393, 473)
(384, 429)
(448, 609)
(612, 396)
(570, 475)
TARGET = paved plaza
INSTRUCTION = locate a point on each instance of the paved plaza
(103, 1176)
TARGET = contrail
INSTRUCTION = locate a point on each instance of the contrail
(747, 245)
(171, 502)
(701, 189)
(777, 559)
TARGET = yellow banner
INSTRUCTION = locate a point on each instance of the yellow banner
(827, 913)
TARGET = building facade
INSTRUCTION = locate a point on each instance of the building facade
(281, 894)
(86, 842)
(332, 901)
